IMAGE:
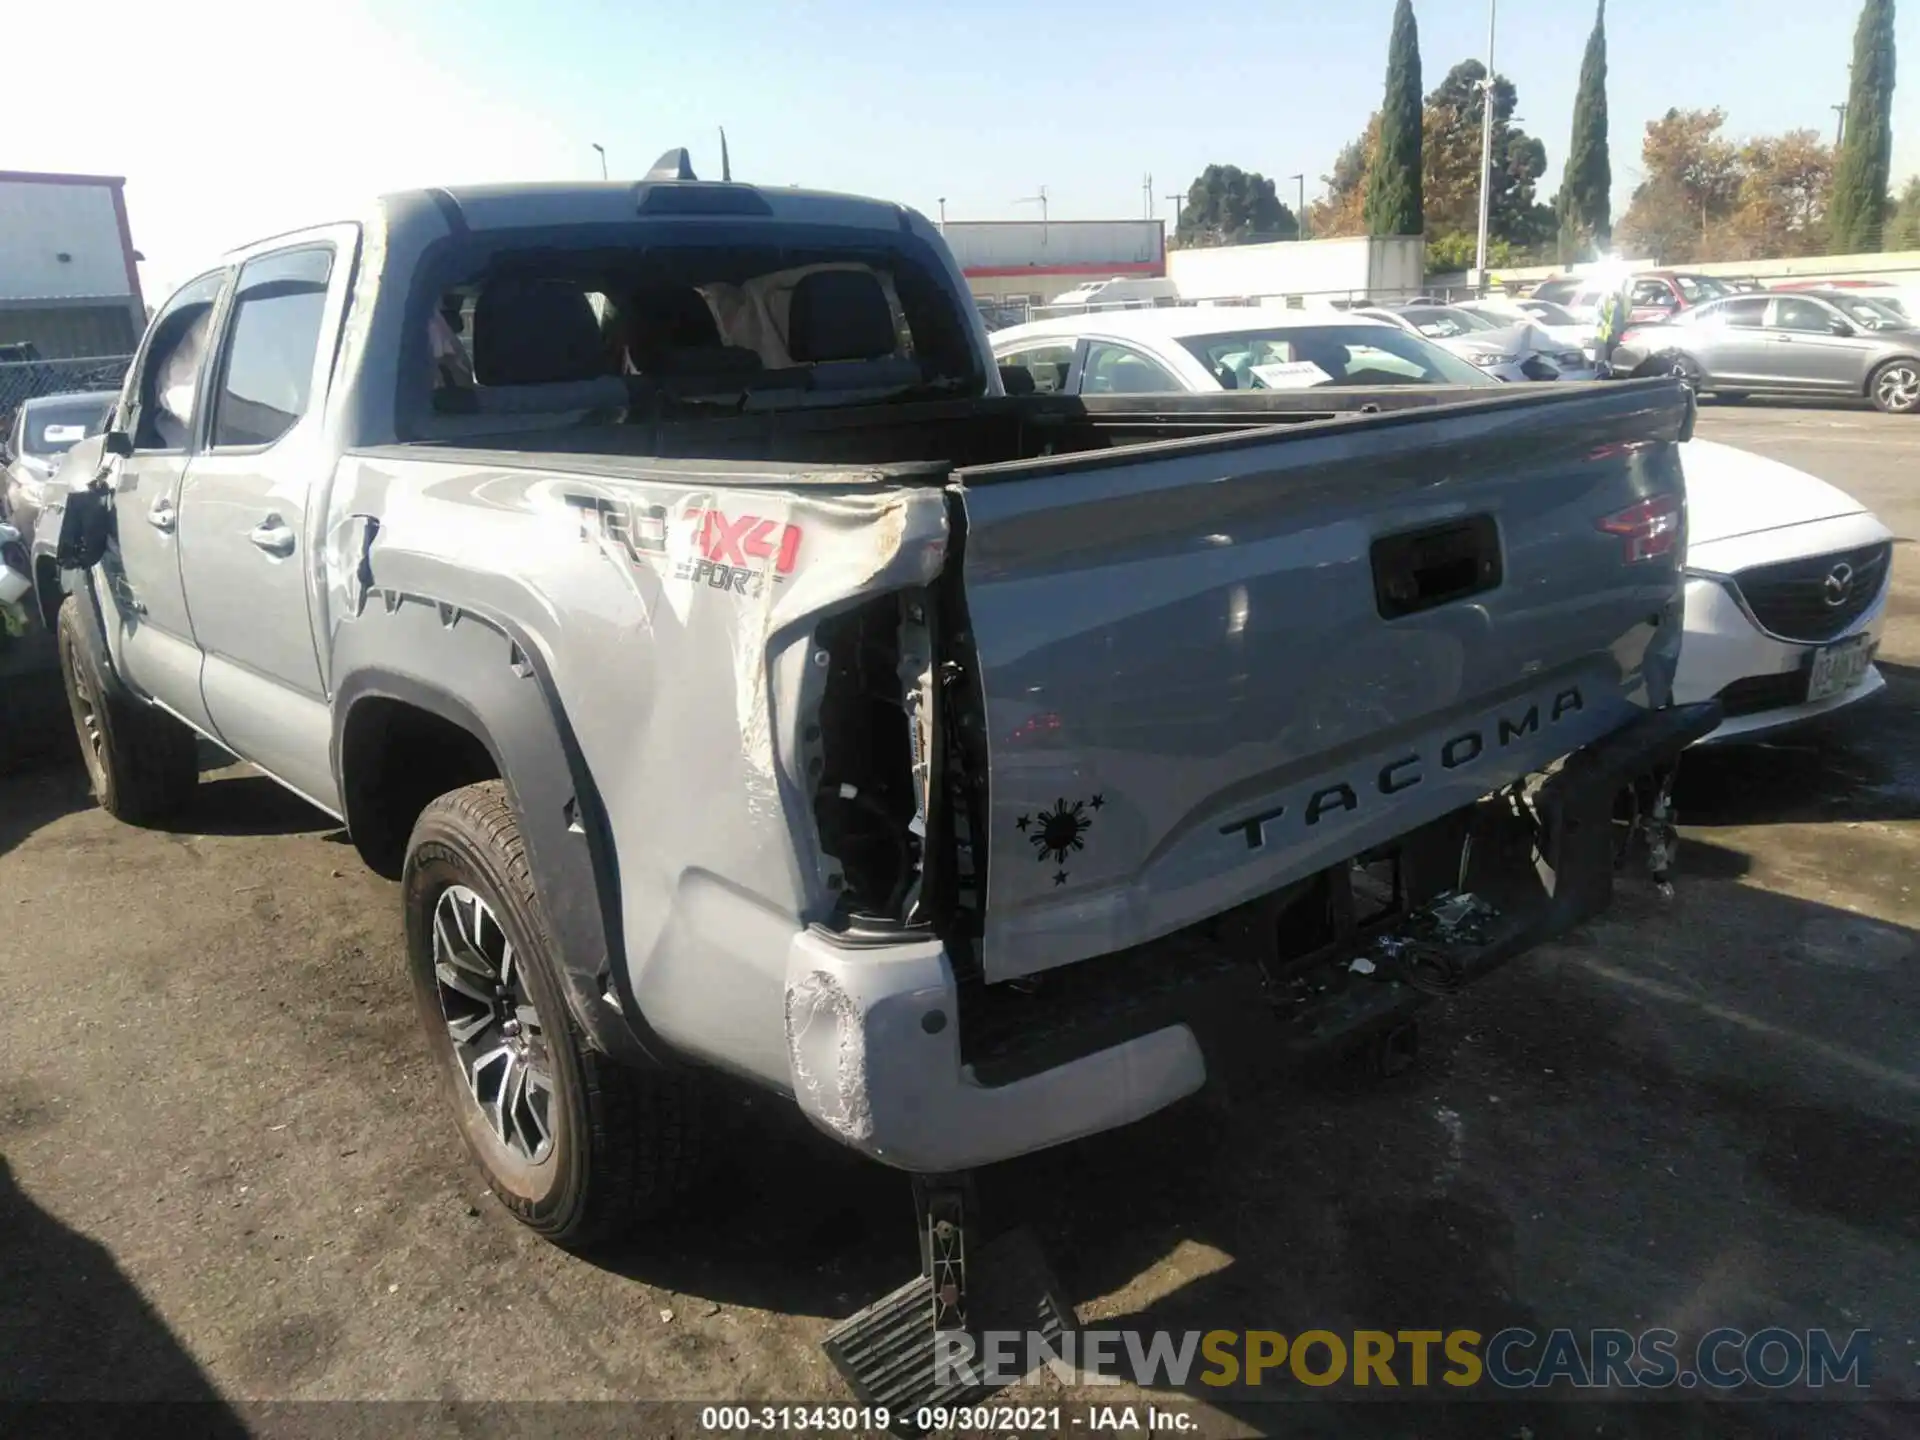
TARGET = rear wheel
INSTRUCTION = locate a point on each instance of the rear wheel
(1895, 387)
(573, 1144)
(143, 763)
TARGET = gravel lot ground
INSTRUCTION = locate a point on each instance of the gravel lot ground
(226, 1170)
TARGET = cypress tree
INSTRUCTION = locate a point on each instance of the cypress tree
(1866, 154)
(1393, 183)
(1585, 203)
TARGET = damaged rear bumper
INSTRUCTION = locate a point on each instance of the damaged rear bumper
(874, 1031)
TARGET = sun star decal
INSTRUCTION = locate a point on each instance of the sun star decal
(1059, 831)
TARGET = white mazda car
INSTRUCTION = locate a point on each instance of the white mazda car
(1787, 581)
(1787, 575)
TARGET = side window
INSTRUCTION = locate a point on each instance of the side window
(1115, 370)
(167, 387)
(271, 344)
(1742, 314)
(1792, 313)
(1048, 364)
(1653, 293)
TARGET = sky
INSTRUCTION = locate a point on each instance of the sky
(231, 121)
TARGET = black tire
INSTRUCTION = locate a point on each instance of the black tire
(622, 1143)
(143, 763)
(1895, 388)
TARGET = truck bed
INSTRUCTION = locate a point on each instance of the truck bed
(1186, 681)
(951, 434)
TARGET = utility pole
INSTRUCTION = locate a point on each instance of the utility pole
(1300, 215)
(1178, 201)
(943, 214)
(1486, 150)
(1041, 201)
(1146, 197)
(1839, 125)
(603, 157)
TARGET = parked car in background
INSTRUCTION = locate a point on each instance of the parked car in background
(1655, 294)
(1787, 583)
(1810, 343)
(43, 430)
(1904, 298)
(1517, 350)
(1552, 321)
(1198, 350)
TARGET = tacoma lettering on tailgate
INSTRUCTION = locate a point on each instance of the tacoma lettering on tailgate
(1407, 771)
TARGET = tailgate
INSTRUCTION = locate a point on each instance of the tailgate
(1214, 666)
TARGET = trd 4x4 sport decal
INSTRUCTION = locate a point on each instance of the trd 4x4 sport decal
(731, 551)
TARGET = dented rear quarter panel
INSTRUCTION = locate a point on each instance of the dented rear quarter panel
(681, 691)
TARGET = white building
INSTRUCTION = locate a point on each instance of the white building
(68, 279)
(1019, 264)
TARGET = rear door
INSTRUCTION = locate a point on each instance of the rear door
(250, 557)
(1734, 343)
(1214, 666)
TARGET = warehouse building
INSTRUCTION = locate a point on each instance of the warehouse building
(69, 285)
(1013, 265)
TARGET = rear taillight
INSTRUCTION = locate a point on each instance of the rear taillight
(1650, 528)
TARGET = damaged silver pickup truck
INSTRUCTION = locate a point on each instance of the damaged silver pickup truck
(658, 580)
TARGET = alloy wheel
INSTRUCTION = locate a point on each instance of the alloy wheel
(86, 715)
(499, 1041)
(1898, 388)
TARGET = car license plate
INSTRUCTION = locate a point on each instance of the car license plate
(1839, 667)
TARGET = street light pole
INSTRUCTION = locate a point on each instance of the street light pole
(1300, 215)
(943, 214)
(603, 157)
(1486, 149)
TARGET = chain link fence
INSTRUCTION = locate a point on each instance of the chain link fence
(24, 380)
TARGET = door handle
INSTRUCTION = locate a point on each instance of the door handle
(161, 515)
(274, 536)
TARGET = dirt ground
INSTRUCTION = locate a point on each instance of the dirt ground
(226, 1170)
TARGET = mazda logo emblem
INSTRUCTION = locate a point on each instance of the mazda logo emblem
(1838, 585)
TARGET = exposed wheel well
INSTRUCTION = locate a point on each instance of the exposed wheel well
(395, 758)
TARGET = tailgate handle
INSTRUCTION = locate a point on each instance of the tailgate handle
(1421, 569)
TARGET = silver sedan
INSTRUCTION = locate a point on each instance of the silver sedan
(1826, 342)
(1516, 349)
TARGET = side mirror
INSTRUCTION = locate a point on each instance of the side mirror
(117, 443)
(1840, 327)
(85, 527)
(1016, 380)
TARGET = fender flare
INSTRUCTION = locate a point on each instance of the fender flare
(482, 673)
